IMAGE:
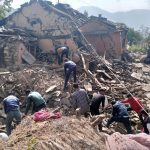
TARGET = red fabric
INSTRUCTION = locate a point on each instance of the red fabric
(135, 104)
(45, 115)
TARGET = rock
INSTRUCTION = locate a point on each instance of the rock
(88, 86)
(148, 95)
(137, 76)
(3, 137)
(146, 87)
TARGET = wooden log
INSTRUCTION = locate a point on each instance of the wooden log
(94, 79)
(89, 74)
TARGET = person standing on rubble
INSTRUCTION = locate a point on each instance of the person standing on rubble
(97, 100)
(12, 110)
(147, 59)
(36, 100)
(136, 105)
(69, 67)
(80, 100)
(146, 123)
(120, 114)
(62, 51)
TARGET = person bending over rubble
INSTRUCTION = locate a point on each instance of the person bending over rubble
(12, 110)
(62, 51)
(34, 98)
(69, 67)
(97, 100)
(80, 100)
(120, 114)
(136, 105)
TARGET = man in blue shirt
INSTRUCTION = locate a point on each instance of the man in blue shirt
(69, 67)
(120, 114)
(12, 110)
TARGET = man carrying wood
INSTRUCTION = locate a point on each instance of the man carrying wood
(69, 67)
(80, 100)
(120, 114)
(36, 99)
(136, 105)
(12, 110)
(97, 100)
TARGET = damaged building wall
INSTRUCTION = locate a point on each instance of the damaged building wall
(106, 44)
(15, 52)
(104, 36)
(12, 53)
(42, 22)
(40, 19)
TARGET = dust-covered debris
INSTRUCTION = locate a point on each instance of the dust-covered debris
(66, 133)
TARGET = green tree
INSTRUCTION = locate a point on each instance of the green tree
(134, 37)
(5, 6)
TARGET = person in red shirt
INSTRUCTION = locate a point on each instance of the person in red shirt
(136, 105)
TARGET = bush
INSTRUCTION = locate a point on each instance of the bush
(137, 48)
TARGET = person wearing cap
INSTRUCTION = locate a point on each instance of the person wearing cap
(12, 110)
(120, 114)
(97, 100)
(136, 105)
(34, 98)
(69, 67)
(80, 100)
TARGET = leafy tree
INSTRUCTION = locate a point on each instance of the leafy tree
(85, 13)
(5, 6)
(134, 37)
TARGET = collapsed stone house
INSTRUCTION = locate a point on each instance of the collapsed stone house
(34, 29)
(107, 37)
(31, 33)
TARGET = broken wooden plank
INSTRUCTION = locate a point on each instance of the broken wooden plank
(26, 56)
(51, 88)
(89, 73)
(94, 79)
(104, 73)
(4, 73)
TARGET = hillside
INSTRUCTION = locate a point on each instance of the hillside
(134, 18)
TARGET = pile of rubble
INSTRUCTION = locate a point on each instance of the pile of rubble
(117, 78)
(45, 81)
(65, 133)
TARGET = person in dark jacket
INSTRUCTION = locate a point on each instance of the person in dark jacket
(120, 114)
(61, 51)
(146, 123)
(97, 100)
(36, 99)
(69, 67)
(12, 110)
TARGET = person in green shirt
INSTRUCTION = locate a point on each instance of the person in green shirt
(36, 100)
